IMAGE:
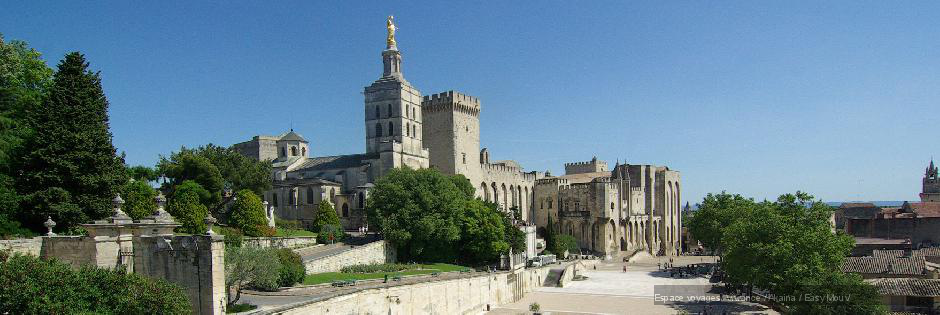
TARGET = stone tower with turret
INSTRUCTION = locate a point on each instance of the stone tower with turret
(393, 116)
(931, 184)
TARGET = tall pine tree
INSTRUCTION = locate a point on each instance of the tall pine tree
(69, 169)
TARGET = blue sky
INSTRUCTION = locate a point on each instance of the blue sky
(836, 98)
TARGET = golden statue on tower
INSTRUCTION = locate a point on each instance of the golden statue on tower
(390, 25)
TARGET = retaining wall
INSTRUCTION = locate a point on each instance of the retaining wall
(32, 246)
(471, 295)
(280, 242)
(378, 252)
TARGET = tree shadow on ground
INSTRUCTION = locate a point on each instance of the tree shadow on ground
(720, 308)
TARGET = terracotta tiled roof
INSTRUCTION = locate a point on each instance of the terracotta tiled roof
(925, 209)
(857, 205)
(913, 266)
(926, 251)
(907, 286)
(888, 253)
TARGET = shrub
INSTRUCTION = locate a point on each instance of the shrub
(233, 236)
(330, 233)
(292, 269)
(248, 214)
(373, 268)
(36, 286)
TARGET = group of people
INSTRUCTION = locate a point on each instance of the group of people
(363, 229)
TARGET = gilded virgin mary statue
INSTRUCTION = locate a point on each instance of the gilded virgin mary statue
(390, 25)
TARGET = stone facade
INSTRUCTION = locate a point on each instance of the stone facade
(632, 207)
(452, 132)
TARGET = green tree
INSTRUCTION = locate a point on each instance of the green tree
(186, 207)
(513, 235)
(788, 248)
(69, 169)
(715, 215)
(326, 215)
(550, 237)
(249, 266)
(238, 171)
(139, 199)
(142, 173)
(187, 166)
(483, 236)
(420, 211)
(248, 214)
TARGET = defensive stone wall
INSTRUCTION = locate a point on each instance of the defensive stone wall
(280, 242)
(378, 252)
(474, 294)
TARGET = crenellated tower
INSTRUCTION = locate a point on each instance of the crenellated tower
(453, 131)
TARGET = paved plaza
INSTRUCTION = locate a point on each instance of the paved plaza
(609, 290)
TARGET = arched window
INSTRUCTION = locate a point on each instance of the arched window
(550, 203)
(293, 151)
(332, 193)
(283, 152)
(391, 128)
(389, 110)
(345, 210)
(362, 200)
(274, 199)
(309, 195)
(408, 129)
(376, 111)
(611, 206)
(407, 110)
(291, 199)
(378, 130)
(303, 151)
(414, 130)
(413, 115)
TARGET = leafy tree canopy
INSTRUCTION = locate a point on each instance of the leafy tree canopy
(433, 217)
(715, 215)
(188, 209)
(187, 166)
(139, 199)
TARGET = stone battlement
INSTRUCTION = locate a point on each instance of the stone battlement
(591, 166)
(451, 101)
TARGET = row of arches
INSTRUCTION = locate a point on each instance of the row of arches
(411, 130)
(506, 196)
(410, 112)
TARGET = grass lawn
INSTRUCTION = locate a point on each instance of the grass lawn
(326, 277)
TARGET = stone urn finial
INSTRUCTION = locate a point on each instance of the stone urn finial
(160, 200)
(210, 221)
(161, 216)
(118, 214)
(49, 225)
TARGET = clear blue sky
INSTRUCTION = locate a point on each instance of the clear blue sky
(836, 98)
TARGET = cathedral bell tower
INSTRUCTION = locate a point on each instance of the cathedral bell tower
(393, 113)
(931, 188)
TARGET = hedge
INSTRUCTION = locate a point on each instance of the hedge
(38, 286)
